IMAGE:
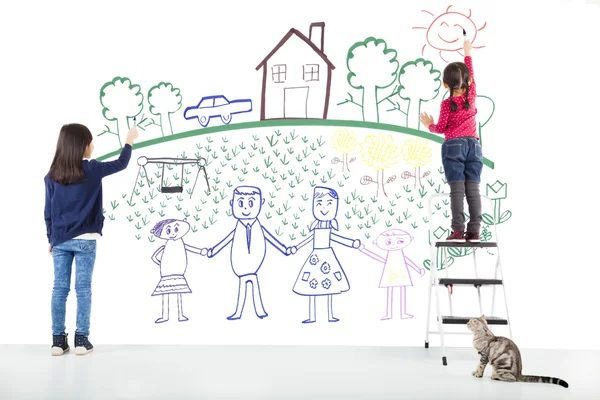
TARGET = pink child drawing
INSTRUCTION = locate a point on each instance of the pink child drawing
(396, 265)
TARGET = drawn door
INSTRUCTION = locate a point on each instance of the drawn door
(295, 102)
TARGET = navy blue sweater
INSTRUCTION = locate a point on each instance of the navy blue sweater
(75, 209)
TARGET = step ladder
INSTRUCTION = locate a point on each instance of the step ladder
(449, 283)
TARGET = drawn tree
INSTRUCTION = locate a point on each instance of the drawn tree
(485, 111)
(371, 66)
(344, 141)
(164, 100)
(121, 100)
(419, 82)
(416, 153)
(379, 153)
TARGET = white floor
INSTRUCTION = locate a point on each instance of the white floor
(245, 372)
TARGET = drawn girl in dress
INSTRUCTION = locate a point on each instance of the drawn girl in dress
(172, 259)
(322, 274)
(395, 267)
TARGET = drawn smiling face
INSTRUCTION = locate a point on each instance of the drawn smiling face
(446, 31)
(175, 230)
(246, 206)
(393, 240)
(325, 208)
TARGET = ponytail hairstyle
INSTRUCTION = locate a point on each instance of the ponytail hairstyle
(67, 165)
(457, 76)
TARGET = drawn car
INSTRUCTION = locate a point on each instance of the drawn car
(217, 106)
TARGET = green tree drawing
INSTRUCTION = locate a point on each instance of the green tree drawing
(371, 66)
(121, 100)
(164, 100)
(419, 82)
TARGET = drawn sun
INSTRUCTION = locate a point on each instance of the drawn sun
(445, 33)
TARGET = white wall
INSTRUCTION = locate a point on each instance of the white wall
(538, 65)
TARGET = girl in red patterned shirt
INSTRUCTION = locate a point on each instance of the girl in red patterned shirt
(462, 157)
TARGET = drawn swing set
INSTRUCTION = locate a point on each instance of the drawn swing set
(200, 163)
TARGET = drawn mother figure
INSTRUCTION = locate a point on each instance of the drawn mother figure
(322, 274)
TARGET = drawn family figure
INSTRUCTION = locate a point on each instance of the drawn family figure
(172, 260)
(322, 274)
(396, 273)
(248, 246)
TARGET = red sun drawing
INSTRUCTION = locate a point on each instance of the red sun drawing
(445, 33)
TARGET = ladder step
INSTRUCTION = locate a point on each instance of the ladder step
(452, 320)
(474, 282)
(466, 244)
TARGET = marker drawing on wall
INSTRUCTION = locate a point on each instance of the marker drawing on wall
(164, 100)
(379, 152)
(218, 106)
(445, 33)
(419, 82)
(200, 163)
(248, 241)
(322, 274)
(372, 66)
(297, 76)
(344, 141)
(172, 260)
(417, 153)
(121, 100)
(396, 264)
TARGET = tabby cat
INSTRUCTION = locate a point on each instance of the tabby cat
(503, 354)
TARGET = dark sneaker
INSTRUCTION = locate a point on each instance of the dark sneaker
(60, 345)
(472, 237)
(456, 236)
(82, 345)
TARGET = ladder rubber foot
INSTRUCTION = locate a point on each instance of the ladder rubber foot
(426, 344)
(444, 362)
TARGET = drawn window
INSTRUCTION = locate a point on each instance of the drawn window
(279, 73)
(311, 72)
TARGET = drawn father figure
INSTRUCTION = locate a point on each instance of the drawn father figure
(248, 246)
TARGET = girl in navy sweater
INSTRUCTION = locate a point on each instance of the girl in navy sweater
(74, 220)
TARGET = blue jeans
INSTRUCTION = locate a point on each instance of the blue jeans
(84, 254)
(462, 159)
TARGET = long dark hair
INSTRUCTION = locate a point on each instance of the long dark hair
(456, 76)
(67, 165)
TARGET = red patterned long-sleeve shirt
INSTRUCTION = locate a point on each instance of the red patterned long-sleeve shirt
(462, 122)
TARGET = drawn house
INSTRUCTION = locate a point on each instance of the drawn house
(297, 76)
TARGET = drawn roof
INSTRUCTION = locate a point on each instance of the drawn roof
(305, 39)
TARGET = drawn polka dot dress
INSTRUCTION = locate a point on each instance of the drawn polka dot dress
(462, 122)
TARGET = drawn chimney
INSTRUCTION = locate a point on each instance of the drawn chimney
(316, 34)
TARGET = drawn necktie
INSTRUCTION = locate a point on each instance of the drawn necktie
(248, 235)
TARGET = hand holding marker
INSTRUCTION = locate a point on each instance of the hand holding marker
(132, 134)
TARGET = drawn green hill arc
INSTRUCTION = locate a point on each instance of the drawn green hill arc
(290, 122)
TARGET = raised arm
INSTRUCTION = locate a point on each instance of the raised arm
(111, 167)
(48, 207)
(156, 253)
(213, 251)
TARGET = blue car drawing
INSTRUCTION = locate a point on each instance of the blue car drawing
(217, 106)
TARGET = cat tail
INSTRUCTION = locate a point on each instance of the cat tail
(544, 379)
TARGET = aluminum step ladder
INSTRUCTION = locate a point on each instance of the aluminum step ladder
(435, 281)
